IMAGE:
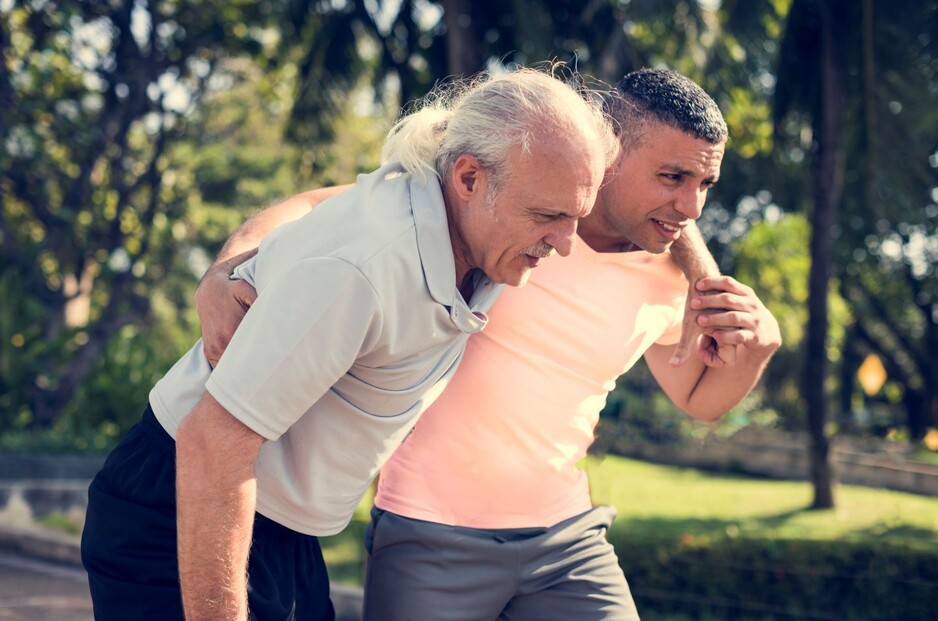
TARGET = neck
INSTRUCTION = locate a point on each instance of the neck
(461, 258)
(592, 230)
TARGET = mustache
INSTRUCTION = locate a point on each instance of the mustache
(539, 250)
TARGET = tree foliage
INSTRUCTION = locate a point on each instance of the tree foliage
(135, 135)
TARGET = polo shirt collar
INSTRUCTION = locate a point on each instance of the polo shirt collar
(436, 256)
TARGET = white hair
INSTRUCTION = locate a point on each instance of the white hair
(490, 114)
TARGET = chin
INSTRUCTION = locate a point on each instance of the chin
(518, 280)
(657, 248)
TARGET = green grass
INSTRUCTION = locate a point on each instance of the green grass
(343, 553)
(665, 503)
(60, 522)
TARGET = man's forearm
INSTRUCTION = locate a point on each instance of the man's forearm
(706, 392)
(257, 227)
(216, 497)
(721, 389)
(691, 254)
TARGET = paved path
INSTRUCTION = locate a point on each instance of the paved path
(37, 590)
(32, 589)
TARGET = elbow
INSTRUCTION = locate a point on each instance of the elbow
(215, 445)
(703, 413)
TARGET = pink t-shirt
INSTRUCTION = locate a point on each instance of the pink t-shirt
(499, 447)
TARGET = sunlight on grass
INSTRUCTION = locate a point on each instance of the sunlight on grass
(681, 498)
(343, 553)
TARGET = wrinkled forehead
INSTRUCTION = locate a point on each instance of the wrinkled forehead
(669, 146)
(560, 178)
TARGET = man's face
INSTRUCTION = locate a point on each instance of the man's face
(534, 213)
(653, 191)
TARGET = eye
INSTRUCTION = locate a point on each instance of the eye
(672, 177)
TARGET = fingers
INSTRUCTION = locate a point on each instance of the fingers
(243, 293)
(217, 332)
(723, 284)
(221, 304)
(727, 320)
(228, 265)
(714, 353)
(213, 349)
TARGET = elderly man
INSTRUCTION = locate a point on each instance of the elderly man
(363, 311)
(482, 514)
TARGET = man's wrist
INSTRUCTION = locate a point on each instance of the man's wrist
(691, 254)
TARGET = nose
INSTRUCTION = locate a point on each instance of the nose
(563, 239)
(690, 203)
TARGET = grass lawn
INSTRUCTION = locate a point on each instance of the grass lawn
(665, 501)
(669, 503)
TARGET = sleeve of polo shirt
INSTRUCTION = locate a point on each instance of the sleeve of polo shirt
(304, 331)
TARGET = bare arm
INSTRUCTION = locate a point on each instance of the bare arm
(692, 256)
(215, 503)
(706, 387)
(221, 302)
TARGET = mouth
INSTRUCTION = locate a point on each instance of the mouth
(668, 230)
(534, 255)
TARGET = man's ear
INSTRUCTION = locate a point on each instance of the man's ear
(469, 177)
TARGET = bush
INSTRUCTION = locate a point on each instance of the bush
(748, 579)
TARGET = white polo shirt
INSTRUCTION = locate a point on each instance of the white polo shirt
(357, 327)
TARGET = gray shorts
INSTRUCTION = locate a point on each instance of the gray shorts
(424, 571)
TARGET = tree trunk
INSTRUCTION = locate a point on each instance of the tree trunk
(463, 41)
(828, 188)
(48, 398)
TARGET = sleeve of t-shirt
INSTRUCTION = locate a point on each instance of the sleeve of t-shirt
(304, 331)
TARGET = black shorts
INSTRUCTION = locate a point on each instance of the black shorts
(128, 545)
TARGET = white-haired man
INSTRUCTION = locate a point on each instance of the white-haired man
(363, 311)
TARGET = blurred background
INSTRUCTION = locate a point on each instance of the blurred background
(136, 135)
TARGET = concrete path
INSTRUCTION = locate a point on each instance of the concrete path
(37, 590)
(41, 579)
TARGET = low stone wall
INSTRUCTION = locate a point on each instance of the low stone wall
(781, 455)
(49, 467)
(24, 502)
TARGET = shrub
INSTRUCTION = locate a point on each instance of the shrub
(748, 579)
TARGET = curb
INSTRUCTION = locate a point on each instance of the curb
(42, 544)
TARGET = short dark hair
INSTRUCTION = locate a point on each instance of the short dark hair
(663, 96)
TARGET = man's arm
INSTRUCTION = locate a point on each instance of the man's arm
(222, 302)
(215, 503)
(690, 253)
(706, 387)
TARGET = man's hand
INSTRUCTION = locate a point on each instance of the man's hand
(690, 253)
(695, 338)
(731, 315)
(221, 304)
